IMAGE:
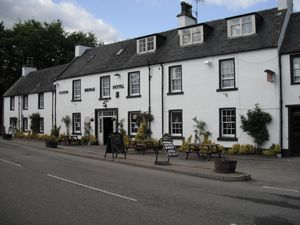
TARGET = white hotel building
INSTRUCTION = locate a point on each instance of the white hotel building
(216, 71)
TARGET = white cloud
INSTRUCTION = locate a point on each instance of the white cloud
(297, 5)
(236, 4)
(74, 18)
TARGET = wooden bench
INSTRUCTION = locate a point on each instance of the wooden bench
(141, 146)
(69, 140)
(203, 149)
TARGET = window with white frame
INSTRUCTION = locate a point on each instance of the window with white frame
(41, 101)
(295, 69)
(25, 124)
(241, 26)
(41, 125)
(147, 44)
(227, 74)
(175, 123)
(76, 123)
(228, 123)
(105, 87)
(192, 35)
(13, 122)
(76, 90)
(12, 103)
(132, 124)
(25, 102)
(134, 84)
(175, 79)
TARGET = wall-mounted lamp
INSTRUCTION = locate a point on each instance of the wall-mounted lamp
(105, 104)
(270, 75)
(117, 75)
(208, 62)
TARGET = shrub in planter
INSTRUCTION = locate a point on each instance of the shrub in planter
(235, 149)
(51, 142)
(272, 151)
(6, 136)
(247, 149)
(223, 165)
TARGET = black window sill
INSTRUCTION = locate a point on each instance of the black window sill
(41, 132)
(12, 110)
(295, 83)
(228, 89)
(76, 100)
(76, 133)
(103, 99)
(175, 93)
(41, 108)
(25, 109)
(177, 137)
(134, 96)
(226, 139)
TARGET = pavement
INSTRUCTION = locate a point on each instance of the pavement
(265, 170)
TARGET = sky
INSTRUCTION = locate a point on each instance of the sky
(115, 20)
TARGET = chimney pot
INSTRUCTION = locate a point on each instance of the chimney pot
(81, 48)
(186, 18)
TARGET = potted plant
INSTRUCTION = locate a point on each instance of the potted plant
(52, 141)
(223, 165)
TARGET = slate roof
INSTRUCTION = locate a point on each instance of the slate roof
(36, 81)
(291, 42)
(103, 59)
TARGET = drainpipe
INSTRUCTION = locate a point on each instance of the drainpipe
(162, 99)
(55, 103)
(52, 109)
(280, 102)
(149, 108)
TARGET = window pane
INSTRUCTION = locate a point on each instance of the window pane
(196, 37)
(247, 19)
(134, 79)
(186, 39)
(176, 123)
(150, 43)
(247, 28)
(227, 74)
(176, 78)
(236, 30)
(132, 123)
(77, 90)
(228, 117)
(105, 87)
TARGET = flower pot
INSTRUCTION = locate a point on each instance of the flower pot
(6, 136)
(51, 143)
(225, 166)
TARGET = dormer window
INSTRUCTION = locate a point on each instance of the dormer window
(147, 44)
(191, 35)
(241, 26)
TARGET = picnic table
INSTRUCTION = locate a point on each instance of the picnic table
(141, 145)
(69, 139)
(203, 149)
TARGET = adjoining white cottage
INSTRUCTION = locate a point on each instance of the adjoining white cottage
(34, 92)
(290, 64)
(216, 71)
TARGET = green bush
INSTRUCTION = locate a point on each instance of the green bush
(272, 151)
(247, 149)
(35, 122)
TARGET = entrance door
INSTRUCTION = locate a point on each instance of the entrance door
(295, 130)
(108, 127)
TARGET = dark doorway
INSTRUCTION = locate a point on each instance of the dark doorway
(294, 128)
(108, 128)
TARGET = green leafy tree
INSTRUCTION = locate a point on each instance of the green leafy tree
(35, 122)
(255, 124)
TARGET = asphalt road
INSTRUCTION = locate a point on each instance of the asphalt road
(43, 187)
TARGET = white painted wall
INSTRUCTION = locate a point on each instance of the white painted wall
(290, 94)
(46, 113)
(200, 82)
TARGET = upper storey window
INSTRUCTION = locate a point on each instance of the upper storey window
(241, 26)
(191, 35)
(147, 44)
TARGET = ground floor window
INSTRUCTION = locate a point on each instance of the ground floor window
(13, 123)
(76, 123)
(25, 124)
(41, 125)
(132, 124)
(175, 123)
(228, 123)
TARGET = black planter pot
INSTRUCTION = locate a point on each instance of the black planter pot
(6, 136)
(51, 143)
(225, 166)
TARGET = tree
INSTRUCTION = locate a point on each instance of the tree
(35, 122)
(255, 124)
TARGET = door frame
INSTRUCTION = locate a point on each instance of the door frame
(96, 119)
(290, 109)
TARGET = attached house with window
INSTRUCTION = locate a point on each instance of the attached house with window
(213, 70)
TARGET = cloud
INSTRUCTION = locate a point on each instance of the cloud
(236, 4)
(297, 5)
(73, 16)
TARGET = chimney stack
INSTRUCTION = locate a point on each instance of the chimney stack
(286, 4)
(80, 48)
(186, 18)
(29, 67)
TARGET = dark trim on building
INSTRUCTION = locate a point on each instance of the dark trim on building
(101, 97)
(290, 138)
(292, 68)
(220, 76)
(175, 93)
(170, 83)
(149, 96)
(162, 99)
(134, 96)
(221, 138)
(75, 100)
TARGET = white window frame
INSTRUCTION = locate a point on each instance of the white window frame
(175, 125)
(76, 90)
(295, 69)
(25, 124)
(172, 70)
(41, 125)
(222, 74)
(25, 102)
(76, 122)
(240, 24)
(12, 103)
(189, 34)
(132, 86)
(133, 127)
(41, 99)
(143, 45)
(105, 90)
(228, 122)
